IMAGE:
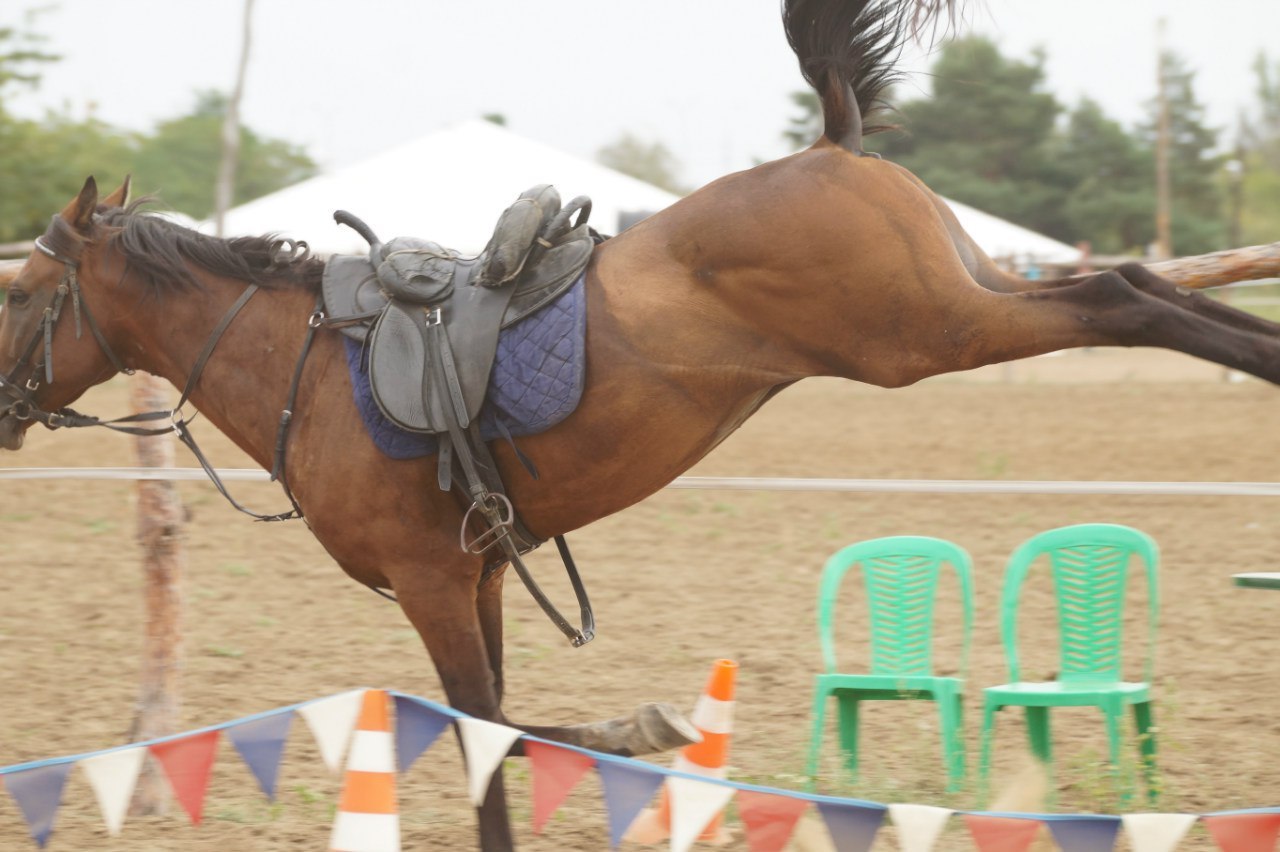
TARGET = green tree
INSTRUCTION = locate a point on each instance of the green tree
(179, 161)
(984, 137)
(1110, 171)
(651, 162)
(1259, 161)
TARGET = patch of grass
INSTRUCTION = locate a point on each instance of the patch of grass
(237, 569)
(223, 651)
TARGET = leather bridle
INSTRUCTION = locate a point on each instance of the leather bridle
(21, 392)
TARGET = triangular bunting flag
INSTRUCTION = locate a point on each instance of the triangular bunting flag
(485, 744)
(113, 776)
(331, 721)
(38, 793)
(417, 727)
(556, 771)
(627, 789)
(694, 804)
(769, 819)
(852, 827)
(918, 825)
(187, 763)
(1244, 832)
(1085, 833)
(1156, 832)
(260, 743)
(1001, 834)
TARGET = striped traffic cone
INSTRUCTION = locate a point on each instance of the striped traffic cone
(367, 820)
(713, 717)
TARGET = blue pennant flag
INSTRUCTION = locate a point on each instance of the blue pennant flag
(852, 827)
(1085, 833)
(417, 727)
(38, 793)
(627, 789)
(260, 743)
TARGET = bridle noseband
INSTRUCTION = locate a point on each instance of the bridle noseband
(22, 393)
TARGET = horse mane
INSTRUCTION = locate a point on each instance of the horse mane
(848, 48)
(162, 251)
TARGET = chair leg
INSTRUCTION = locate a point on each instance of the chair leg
(1143, 721)
(951, 714)
(848, 704)
(989, 710)
(1123, 781)
(819, 714)
(1039, 734)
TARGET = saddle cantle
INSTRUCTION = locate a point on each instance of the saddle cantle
(409, 291)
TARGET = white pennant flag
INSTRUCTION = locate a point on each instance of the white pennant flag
(918, 825)
(331, 721)
(1156, 832)
(485, 744)
(693, 805)
(113, 776)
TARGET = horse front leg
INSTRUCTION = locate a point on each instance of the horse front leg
(651, 728)
(442, 603)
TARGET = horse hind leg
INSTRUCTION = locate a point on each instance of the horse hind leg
(1128, 306)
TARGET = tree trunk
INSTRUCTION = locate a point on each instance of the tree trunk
(224, 190)
(160, 519)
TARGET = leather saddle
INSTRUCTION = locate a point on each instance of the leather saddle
(430, 317)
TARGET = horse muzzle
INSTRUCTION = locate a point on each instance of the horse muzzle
(12, 431)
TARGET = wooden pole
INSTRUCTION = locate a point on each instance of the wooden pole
(160, 520)
(1164, 233)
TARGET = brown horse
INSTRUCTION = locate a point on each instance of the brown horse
(827, 262)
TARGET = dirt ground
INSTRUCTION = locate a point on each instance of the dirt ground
(681, 580)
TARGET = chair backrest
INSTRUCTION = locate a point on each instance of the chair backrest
(1089, 564)
(901, 578)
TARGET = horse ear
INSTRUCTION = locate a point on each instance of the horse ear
(78, 213)
(120, 197)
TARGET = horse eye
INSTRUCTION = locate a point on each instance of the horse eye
(17, 298)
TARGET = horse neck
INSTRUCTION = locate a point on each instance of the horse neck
(244, 382)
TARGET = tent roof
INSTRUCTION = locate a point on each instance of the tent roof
(451, 186)
(1002, 240)
(448, 187)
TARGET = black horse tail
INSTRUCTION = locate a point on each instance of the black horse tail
(847, 50)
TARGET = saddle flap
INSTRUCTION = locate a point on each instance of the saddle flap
(558, 267)
(397, 367)
(351, 290)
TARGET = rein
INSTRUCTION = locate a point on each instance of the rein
(22, 394)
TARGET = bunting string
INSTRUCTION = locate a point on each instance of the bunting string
(768, 815)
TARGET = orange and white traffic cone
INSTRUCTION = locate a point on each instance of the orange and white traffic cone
(713, 717)
(367, 819)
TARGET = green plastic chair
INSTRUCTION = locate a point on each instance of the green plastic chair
(901, 576)
(1089, 565)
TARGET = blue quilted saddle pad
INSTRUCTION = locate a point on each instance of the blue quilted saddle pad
(536, 380)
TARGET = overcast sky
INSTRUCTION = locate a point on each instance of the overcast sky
(708, 78)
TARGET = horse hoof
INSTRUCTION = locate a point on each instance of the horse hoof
(663, 728)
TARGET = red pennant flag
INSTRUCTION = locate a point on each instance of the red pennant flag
(1001, 834)
(188, 763)
(769, 819)
(1245, 832)
(556, 771)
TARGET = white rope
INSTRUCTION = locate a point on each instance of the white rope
(750, 483)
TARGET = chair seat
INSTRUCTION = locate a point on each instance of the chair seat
(891, 686)
(1067, 693)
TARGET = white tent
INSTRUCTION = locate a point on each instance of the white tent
(1003, 240)
(451, 186)
(448, 187)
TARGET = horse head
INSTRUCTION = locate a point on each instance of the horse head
(47, 360)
